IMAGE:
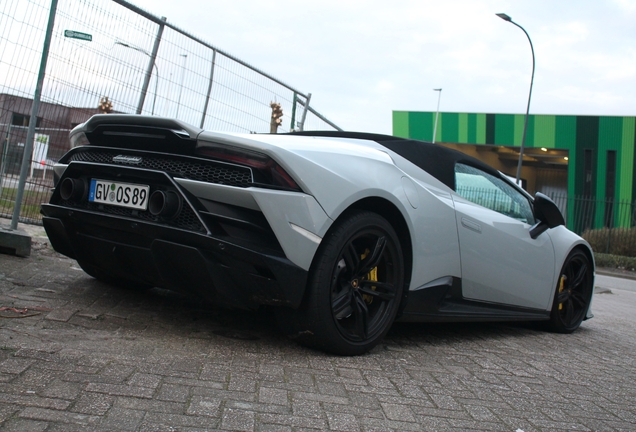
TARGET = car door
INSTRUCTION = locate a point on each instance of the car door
(500, 262)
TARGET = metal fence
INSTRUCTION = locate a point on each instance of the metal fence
(494, 199)
(608, 225)
(113, 54)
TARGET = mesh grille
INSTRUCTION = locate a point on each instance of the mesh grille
(175, 166)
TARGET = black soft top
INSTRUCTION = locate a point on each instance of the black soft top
(435, 159)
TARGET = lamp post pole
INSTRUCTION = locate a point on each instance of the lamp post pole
(154, 100)
(439, 97)
(505, 17)
(185, 57)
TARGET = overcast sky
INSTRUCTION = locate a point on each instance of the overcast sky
(361, 60)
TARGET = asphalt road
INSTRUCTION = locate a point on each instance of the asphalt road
(88, 356)
(612, 283)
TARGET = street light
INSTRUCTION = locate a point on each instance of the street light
(154, 100)
(439, 97)
(505, 17)
(185, 57)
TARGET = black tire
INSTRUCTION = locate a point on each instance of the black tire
(573, 293)
(355, 287)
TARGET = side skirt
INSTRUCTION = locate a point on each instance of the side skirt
(442, 301)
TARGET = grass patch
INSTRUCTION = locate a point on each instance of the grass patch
(31, 201)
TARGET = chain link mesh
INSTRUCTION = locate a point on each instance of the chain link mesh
(103, 49)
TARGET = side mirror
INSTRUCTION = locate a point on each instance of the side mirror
(547, 213)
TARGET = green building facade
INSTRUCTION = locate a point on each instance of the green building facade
(599, 151)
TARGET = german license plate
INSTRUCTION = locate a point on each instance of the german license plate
(119, 194)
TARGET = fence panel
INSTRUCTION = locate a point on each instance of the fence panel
(126, 60)
(608, 225)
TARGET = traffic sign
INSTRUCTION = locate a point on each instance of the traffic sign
(78, 35)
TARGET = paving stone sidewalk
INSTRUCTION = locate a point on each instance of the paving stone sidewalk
(88, 356)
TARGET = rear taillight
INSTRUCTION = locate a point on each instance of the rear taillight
(78, 139)
(266, 170)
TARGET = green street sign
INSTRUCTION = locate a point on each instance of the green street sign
(78, 35)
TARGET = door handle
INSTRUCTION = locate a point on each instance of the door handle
(473, 226)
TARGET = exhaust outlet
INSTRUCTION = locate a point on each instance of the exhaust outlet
(164, 203)
(73, 189)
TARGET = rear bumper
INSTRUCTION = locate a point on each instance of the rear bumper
(173, 258)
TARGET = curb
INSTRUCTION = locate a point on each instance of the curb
(616, 273)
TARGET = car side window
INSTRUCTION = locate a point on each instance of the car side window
(492, 192)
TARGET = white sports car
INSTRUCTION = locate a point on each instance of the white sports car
(343, 233)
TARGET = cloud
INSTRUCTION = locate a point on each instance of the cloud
(626, 5)
(362, 59)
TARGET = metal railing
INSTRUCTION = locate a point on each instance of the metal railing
(609, 225)
(113, 52)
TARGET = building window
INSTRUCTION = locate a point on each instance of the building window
(23, 120)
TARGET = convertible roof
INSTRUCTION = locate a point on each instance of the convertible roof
(437, 160)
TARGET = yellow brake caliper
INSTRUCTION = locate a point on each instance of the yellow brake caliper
(561, 287)
(372, 276)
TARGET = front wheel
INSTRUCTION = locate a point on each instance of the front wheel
(355, 287)
(573, 294)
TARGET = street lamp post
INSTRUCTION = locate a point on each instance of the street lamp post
(505, 17)
(185, 57)
(439, 97)
(154, 99)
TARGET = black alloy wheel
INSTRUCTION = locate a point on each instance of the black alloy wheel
(362, 285)
(355, 286)
(573, 293)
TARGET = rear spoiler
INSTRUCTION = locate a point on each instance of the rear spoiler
(136, 120)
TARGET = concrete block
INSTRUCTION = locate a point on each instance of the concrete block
(16, 242)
